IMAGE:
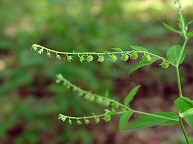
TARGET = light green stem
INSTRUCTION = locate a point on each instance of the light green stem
(179, 81)
(101, 53)
(184, 131)
(180, 90)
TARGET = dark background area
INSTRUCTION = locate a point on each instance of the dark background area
(30, 100)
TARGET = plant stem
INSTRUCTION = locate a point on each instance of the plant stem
(184, 131)
(180, 89)
(179, 81)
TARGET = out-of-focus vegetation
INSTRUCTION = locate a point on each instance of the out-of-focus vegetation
(30, 100)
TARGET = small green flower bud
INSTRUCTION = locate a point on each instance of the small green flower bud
(79, 122)
(123, 110)
(87, 96)
(92, 98)
(107, 118)
(106, 103)
(69, 121)
(69, 59)
(34, 47)
(101, 58)
(49, 54)
(87, 121)
(146, 57)
(80, 93)
(89, 58)
(81, 58)
(115, 104)
(40, 51)
(124, 57)
(62, 117)
(165, 65)
(99, 100)
(113, 58)
(67, 86)
(97, 119)
(134, 56)
(58, 57)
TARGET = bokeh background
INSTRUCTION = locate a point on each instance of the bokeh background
(30, 100)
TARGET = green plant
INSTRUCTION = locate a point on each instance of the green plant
(175, 56)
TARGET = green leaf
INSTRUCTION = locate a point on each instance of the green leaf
(185, 106)
(170, 28)
(187, 113)
(117, 49)
(190, 35)
(173, 54)
(143, 63)
(139, 48)
(190, 22)
(161, 118)
(131, 95)
(124, 120)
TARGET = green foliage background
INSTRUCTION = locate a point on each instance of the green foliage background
(30, 100)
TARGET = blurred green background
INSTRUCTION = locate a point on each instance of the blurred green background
(30, 100)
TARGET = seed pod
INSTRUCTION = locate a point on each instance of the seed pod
(113, 58)
(115, 104)
(99, 100)
(146, 57)
(165, 65)
(81, 58)
(69, 59)
(87, 121)
(89, 58)
(106, 103)
(134, 56)
(79, 122)
(107, 118)
(124, 57)
(101, 58)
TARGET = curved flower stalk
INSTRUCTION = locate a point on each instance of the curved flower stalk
(114, 108)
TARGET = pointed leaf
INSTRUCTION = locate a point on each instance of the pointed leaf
(139, 48)
(143, 63)
(184, 105)
(117, 49)
(187, 113)
(161, 118)
(131, 95)
(190, 22)
(170, 28)
(190, 35)
(124, 120)
(173, 54)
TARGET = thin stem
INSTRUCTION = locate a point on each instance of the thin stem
(184, 131)
(101, 53)
(182, 51)
(179, 81)
(90, 117)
